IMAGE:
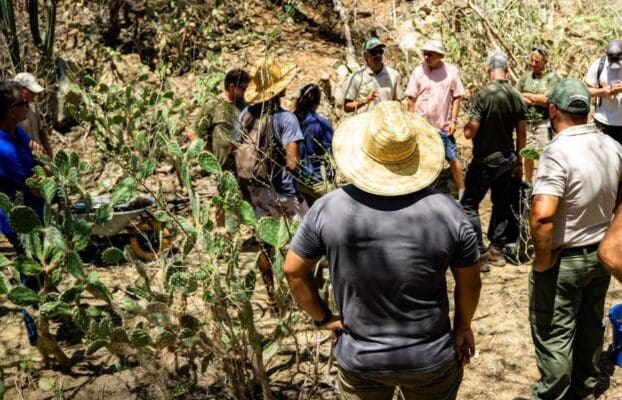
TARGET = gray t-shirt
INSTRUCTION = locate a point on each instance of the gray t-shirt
(388, 257)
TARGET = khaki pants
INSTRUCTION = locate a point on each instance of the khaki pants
(566, 306)
(440, 384)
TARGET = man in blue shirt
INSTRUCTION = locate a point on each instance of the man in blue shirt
(16, 155)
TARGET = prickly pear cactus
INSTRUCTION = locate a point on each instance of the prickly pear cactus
(24, 219)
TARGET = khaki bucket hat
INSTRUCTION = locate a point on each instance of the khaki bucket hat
(388, 151)
(268, 79)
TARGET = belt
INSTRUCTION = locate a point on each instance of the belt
(579, 251)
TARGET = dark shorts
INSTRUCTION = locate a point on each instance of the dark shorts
(610, 130)
(449, 142)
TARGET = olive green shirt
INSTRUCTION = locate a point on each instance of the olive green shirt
(528, 84)
(497, 107)
(215, 124)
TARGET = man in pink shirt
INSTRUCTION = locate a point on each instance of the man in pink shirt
(434, 91)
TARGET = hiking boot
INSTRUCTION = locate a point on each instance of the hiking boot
(495, 257)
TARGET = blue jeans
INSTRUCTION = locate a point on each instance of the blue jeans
(496, 175)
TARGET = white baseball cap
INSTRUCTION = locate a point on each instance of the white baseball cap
(435, 46)
(28, 81)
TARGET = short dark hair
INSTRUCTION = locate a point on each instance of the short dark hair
(575, 117)
(236, 77)
(310, 96)
(8, 96)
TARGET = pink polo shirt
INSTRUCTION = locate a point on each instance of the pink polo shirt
(434, 90)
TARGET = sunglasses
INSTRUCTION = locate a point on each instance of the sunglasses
(376, 52)
(429, 53)
(20, 104)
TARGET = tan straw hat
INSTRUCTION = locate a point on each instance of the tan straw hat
(268, 79)
(388, 151)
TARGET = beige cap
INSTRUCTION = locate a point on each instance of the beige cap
(28, 81)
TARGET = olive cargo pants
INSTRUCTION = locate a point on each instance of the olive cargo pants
(566, 315)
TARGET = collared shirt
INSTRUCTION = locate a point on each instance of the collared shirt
(582, 167)
(608, 108)
(435, 90)
(363, 82)
(529, 84)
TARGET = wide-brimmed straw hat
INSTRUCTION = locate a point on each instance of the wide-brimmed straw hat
(388, 151)
(268, 79)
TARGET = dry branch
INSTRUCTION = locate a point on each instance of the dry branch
(345, 18)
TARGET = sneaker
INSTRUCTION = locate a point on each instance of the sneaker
(495, 257)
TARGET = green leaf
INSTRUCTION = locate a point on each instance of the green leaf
(131, 307)
(55, 238)
(209, 163)
(268, 231)
(72, 294)
(48, 190)
(228, 184)
(277, 265)
(194, 148)
(84, 167)
(73, 263)
(100, 291)
(174, 149)
(46, 384)
(124, 192)
(530, 154)
(270, 350)
(27, 266)
(24, 219)
(140, 338)
(55, 309)
(164, 339)
(118, 335)
(23, 296)
(89, 81)
(147, 168)
(247, 214)
(103, 213)
(95, 345)
(61, 161)
(5, 202)
(112, 255)
(161, 216)
(4, 285)
(4, 262)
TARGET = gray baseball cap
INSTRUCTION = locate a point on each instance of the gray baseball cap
(496, 59)
(614, 53)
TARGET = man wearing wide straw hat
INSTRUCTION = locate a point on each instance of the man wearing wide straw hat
(267, 152)
(389, 240)
(375, 83)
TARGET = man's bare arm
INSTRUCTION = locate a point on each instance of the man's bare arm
(299, 274)
(352, 105)
(610, 249)
(412, 103)
(466, 297)
(543, 209)
(291, 156)
(470, 129)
